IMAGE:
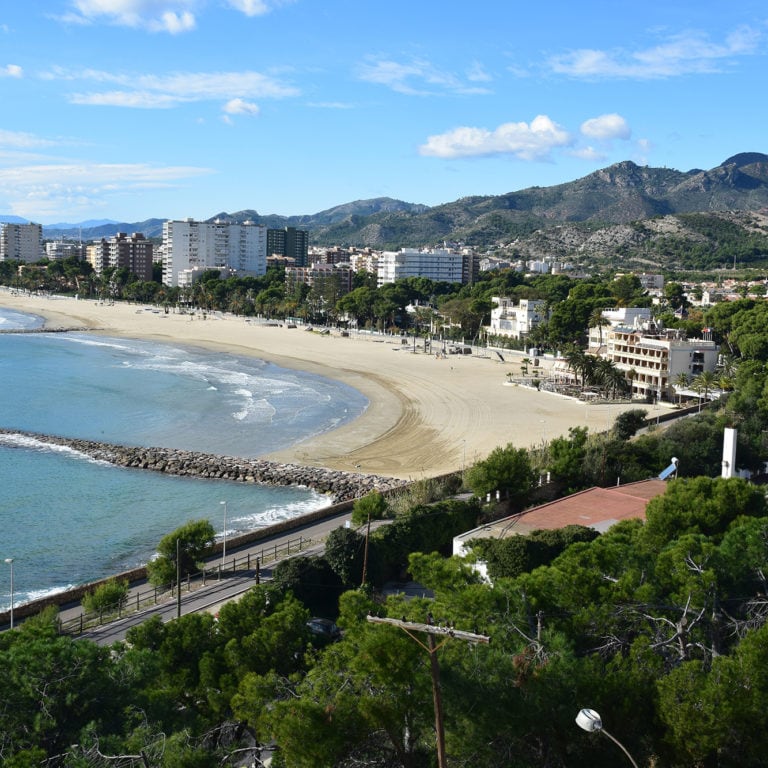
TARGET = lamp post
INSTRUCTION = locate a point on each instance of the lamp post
(9, 560)
(224, 543)
(590, 721)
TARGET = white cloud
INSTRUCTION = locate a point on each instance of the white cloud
(70, 189)
(330, 105)
(588, 153)
(176, 22)
(241, 107)
(132, 99)
(534, 141)
(164, 91)
(19, 140)
(11, 70)
(256, 7)
(172, 16)
(606, 128)
(686, 53)
(417, 78)
(477, 74)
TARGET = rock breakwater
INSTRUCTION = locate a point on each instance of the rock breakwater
(341, 486)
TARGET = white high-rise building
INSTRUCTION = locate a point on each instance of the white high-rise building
(191, 247)
(439, 265)
(21, 242)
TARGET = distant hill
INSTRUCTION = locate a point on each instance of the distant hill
(564, 219)
(13, 220)
(149, 228)
(90, 224)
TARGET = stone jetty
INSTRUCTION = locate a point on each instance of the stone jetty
(71, 329)
(341, 486)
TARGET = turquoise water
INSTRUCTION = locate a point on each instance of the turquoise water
(66, 519)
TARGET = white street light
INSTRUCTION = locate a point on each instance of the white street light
(590, 721)
(9, 560)
(224, 544)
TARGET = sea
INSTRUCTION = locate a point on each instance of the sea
(66, 519)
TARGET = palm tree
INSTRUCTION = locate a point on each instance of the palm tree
(728, 365)
(704, 382)
(577, 362)
(599, 321)
(682, 380)
(725, 383)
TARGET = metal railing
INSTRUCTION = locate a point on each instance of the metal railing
(140, 598)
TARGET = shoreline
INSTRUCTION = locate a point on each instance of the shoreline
(425, 416)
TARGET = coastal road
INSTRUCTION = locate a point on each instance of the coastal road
(206, 598)
(216, 591)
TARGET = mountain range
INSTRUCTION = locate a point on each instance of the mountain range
(617, 207)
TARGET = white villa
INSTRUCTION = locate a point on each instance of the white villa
(515, 321)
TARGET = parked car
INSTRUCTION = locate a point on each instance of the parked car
(324, 628)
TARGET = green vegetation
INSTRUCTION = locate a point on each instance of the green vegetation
(657, 626)
(109, 596)
(191, 542)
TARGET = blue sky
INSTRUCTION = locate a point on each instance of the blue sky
(131, 109)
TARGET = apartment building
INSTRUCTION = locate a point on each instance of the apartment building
(515, 321)
(191, 247)
(135, 253)
(654, 358)
(289, 242)
(626, 317)
(56, 250)
(340, 275)
(21, 242)
(439, 265)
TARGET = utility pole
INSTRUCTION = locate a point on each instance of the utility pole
(178, 578)
(447, 633)
(365, 555)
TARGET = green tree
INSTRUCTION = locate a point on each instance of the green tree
(700, 505)
(312, 580)
(507, 470)
(109, 596)
(193, 541)
(565, 459)
(382, 712)
(627, 423)
(675, 296)
(345, 553)
(53, 687)
(372, 506)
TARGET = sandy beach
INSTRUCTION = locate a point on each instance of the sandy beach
(426, 416)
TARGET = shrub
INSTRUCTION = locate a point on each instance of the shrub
(108, 596)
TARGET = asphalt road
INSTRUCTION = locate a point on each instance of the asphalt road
(217, 590)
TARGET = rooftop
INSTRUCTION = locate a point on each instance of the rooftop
(597, 508)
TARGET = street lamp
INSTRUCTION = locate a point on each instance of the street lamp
(224, 544)
(590, 721)
(9, 560)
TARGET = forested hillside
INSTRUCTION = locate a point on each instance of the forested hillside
(643, 216)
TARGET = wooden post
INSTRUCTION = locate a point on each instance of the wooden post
(365, 554)
(437, 701)
(432, 648)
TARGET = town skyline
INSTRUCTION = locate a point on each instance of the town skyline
(120, 109)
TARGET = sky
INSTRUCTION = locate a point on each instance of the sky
(137, 109)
